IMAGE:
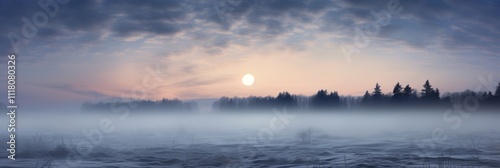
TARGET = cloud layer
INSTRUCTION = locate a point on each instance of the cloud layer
(219, 23)
(95, 36)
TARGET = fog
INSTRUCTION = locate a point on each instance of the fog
(348, 123)
(255, 139)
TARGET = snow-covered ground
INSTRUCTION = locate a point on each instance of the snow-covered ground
(258, 140)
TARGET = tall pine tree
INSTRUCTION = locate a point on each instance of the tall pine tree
(497, 92)
(377, 94)
(397, 95)
(366, 100)
(429, 95)
(407, 92)
(427, 91)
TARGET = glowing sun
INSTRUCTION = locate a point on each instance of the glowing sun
(247, 79)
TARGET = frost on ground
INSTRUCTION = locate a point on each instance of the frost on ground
(312, 144)
(323, 150)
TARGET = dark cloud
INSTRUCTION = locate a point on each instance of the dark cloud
(83, 16)
(453, 23)
(318, 5)
(127, 28)
(48, 32)
(286, 5)
(131, 5)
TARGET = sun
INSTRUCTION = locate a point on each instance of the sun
(247, 79)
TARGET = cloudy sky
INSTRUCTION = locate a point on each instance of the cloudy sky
(93, 50)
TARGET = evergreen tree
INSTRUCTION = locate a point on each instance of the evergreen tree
(407, 92)
(285, 99)
(366, 98)
(377, 90)
(436, 95)
(497, 95)
(397, 95)
(429, 95)
(320, 100)
(490, 98)
(334, 99)
(497, 92)
(377, 94)
(428, 91)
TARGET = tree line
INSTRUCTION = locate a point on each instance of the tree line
(323, 100)
(163, 105)
(400, 97)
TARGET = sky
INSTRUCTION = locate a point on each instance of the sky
(96, 50)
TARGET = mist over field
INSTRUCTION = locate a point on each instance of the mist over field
(269, 138)
(250, 83)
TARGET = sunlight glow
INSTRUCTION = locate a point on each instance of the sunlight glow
(247, 80)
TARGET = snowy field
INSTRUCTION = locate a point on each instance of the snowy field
(274, 139)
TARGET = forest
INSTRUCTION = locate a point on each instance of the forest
(401, 97)
(163, 105)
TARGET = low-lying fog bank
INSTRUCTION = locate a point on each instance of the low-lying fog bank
(274, 139)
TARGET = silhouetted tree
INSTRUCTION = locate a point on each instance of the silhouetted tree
(397, 89)
(436, 95)
(407, 92)
(429, 95)
(497, 92)
(261, 103)
(366, 100)
(377, 94)
(164, 105)
(334, 98)
(322, 100)
(491, 99)
(285, 99)
(319, 100)
(397, 95)
(496, 97)
(427, 91)
(227, 104)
